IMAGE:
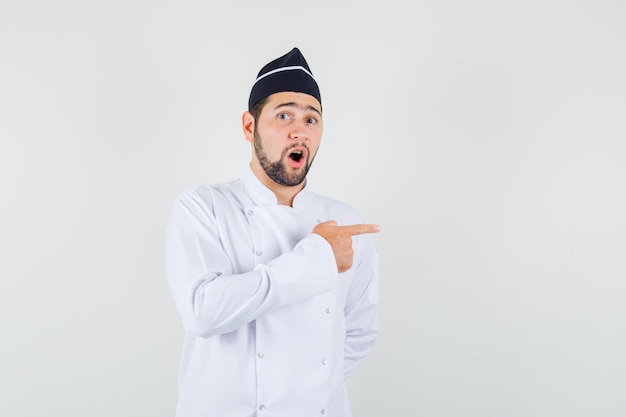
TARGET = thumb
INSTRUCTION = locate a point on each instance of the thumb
(328, 223)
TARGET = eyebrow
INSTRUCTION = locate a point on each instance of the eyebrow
(292, 104)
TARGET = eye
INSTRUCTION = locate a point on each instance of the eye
(311, 120)
(283, 116)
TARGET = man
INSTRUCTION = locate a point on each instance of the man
(277, 286)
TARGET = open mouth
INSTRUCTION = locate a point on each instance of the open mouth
(296, 156)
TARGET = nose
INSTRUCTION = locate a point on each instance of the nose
(298, 131)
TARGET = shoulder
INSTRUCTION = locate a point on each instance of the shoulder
(209, 193)
(206, 198)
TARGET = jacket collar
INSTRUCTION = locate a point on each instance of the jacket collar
(261, 195)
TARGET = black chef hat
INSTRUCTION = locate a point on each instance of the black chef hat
(290, 72)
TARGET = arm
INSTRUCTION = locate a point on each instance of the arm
(361, 311)
(210, 298)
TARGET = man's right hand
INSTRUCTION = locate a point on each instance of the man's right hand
(340, 239)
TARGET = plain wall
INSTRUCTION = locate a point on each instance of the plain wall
(486, 137)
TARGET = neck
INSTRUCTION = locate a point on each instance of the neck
(285, 194)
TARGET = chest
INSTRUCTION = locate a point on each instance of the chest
(257, 234)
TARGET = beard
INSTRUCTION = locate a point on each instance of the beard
(278, 171)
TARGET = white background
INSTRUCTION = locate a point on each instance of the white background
(486, 137)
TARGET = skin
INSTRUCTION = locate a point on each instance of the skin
(288, 119)
(293, 121)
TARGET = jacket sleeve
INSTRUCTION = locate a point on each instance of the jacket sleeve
(210, 298)
(361, 310)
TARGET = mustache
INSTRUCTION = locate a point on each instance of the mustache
(288, 150)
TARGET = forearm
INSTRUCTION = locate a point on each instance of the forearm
(219, 303)
(361, 311)
(357, 346)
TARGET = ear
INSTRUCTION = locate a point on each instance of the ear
(247, 123)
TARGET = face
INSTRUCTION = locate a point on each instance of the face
(285, 137)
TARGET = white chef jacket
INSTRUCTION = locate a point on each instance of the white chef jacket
(271, 328)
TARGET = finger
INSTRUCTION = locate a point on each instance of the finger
(360, 229)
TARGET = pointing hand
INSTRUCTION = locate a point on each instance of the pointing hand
(340, 239)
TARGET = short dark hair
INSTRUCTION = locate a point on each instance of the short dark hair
(258, 108)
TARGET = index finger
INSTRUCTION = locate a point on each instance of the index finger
(360, 229)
